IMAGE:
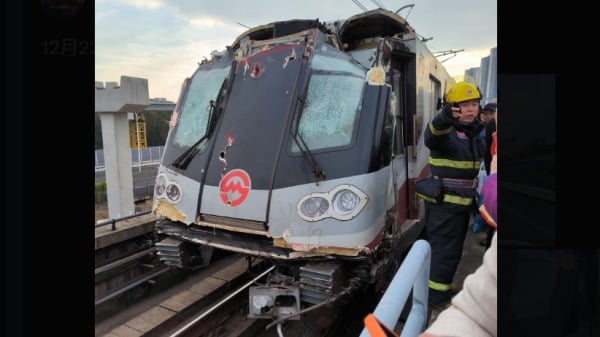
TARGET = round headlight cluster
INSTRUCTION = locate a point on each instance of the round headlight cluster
(314, 207)
(160, 185)
(346, 202)
(163, 188)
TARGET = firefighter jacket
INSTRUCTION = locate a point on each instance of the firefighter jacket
(455, 154)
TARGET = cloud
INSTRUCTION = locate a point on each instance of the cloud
(163, 40)
(165, 69)
(457, 65)
(208, 22)
(148, 4)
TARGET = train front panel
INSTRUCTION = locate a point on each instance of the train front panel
(280, 143)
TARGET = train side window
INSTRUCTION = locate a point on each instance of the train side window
(397, 110)
(430, 104)
(435, 100)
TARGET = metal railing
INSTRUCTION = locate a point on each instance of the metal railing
(141, 156)
(113, 222)
(413, 275)
(143, 189)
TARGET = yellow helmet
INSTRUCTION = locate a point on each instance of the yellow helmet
(462, 91)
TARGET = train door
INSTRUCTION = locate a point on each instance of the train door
(402, 112)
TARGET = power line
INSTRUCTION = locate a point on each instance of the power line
(446, 52)
(361, 6)
(378, 4)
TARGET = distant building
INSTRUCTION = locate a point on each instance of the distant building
(486, 75)
(160, 100)
(160, 104)
(492, 82)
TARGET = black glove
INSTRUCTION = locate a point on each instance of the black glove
(444, 119)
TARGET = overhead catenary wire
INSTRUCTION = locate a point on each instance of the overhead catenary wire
(361, 6)
(378, 4)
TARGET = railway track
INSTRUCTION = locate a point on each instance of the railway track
(138, 295)
(125, 259)
(214, 302)
(214, 292)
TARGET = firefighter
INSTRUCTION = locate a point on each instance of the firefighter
(456, 142)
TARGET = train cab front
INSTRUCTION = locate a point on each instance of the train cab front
(265, 154)
(287, 147)
(277, 150)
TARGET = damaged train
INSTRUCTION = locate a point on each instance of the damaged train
(300, 144)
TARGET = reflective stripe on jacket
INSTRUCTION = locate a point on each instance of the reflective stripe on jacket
(457, 154)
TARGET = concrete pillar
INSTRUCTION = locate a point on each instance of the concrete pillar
(113, 102)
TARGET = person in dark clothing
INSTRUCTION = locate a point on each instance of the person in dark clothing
(455, 140)
(489, 122)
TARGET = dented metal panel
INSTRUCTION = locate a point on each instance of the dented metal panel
(300, 143)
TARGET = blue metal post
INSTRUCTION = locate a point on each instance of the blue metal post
(412, 274)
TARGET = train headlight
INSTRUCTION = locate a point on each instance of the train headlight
(173, 192)
(346, 202)
(160, 185)
(314, 207)
(163, 188)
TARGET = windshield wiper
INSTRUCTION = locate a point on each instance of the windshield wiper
(316, 170)
(184, 160)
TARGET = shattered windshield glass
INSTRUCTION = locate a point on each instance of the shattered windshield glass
(195, 112)
(332, 103)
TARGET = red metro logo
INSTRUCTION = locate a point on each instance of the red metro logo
(234, 187)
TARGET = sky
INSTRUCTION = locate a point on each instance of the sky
(164, 40)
